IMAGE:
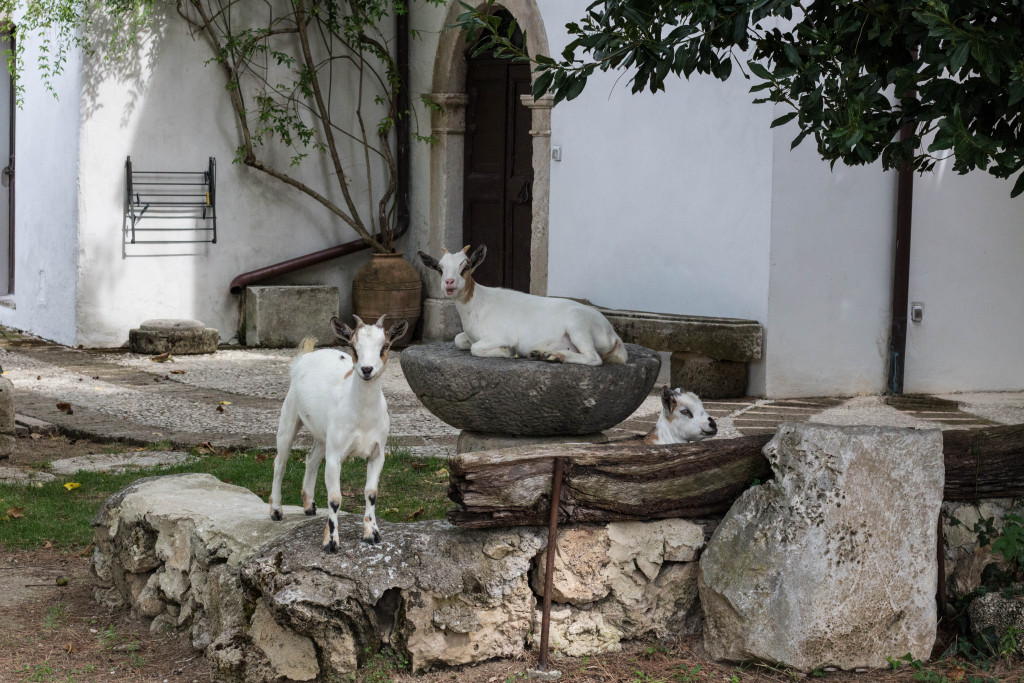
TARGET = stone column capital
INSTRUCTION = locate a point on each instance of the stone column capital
(450, 119)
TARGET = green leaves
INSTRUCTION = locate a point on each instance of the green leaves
(854, 73)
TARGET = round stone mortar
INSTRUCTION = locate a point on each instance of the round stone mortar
(528, 397)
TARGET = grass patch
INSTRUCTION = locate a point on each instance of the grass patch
(410, 488)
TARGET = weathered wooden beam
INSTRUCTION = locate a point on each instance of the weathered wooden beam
(632, 480)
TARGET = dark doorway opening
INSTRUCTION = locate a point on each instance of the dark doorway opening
(498, 182)
(8, 104)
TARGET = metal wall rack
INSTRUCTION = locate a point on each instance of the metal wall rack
(171, 195)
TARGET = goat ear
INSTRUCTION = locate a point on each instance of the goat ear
(477, 257)
(430, 261)
(668, 399)
(343, 331)
(380, 321)
(398, 330)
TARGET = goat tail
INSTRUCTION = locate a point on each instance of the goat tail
(307, 345)
(615, 355)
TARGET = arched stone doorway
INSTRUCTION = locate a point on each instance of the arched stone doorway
(448, 158)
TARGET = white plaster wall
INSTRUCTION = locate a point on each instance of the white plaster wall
(46, 208)
(169, 111)
(966, 251)
(829, 296)
(661, 202)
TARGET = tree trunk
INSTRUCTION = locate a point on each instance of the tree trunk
(632, 480)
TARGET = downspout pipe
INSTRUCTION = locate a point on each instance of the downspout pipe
(252, 277)
(901, 272)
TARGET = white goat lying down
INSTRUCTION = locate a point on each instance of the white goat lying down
(503, 323)
(682, 420)
(338, 397)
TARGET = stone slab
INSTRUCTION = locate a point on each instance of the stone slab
(470, 442)
(33, 426)
(281, 317)
(719, 338)
(528, 397)
(707, 377)
(118, 462)
(180, 342)
(171, 325)
(18, 475)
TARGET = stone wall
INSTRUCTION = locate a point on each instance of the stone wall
(965, 557)
(264, 601)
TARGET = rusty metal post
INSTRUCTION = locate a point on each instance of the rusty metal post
(549, 567)
(941, 588)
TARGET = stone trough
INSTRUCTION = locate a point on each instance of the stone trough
(502, 402)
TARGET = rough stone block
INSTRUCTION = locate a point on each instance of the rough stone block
(998, 613)
(477, 441)
(441, 321)
(281, 317)
(707, 377)
(718, 338)
(177, 337)
(832, 562)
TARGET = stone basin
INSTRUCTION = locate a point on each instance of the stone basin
(528, 397)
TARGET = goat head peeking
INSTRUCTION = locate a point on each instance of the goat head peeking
(456, 269)
(368, 345)
(682, 420)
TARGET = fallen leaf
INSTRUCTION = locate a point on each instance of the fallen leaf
(205, 448)
(957, 673)
(392, 510)
(15, 512)
(70, 648)
(39, 376)
(62, 580)
(261, 456)
(414, 515)
(63, 406)
(33, 435)
(417, 465)
(225, 403)
(48, 545)
(443, 472)
(87, 549)
(72, 485)
(162, 358)
(220, 409)
(177, 372)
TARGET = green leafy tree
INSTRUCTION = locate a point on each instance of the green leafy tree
(280, 62)
(853, 73)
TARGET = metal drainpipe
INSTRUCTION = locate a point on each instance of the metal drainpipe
(901, 271)
(252, 277)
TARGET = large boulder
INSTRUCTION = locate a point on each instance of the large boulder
(831, 563)
(527, 397)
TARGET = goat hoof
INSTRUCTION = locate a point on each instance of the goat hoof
(374, 539)
(311, 510)
(276, 515)
(536, 355)
(554, 358)
(330, 547)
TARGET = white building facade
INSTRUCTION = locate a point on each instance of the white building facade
(682, 202)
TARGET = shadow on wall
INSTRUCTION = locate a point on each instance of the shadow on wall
(168, 109)
(125, 55)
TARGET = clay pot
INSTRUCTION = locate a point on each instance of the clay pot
(388, 284)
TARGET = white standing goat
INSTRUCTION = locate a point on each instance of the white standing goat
(682, 420)
(338, 397)
(503, 323)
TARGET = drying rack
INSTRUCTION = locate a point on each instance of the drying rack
(171, 195)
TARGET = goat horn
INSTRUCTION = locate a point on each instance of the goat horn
(359, 321)
(380, 321)
(465, 249)
(443, 250)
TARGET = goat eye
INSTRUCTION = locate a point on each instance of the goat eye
(687, 413)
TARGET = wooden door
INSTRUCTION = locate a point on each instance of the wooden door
(7, 109)
(498, 183)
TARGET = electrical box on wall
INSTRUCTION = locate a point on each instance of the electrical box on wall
(916, 312)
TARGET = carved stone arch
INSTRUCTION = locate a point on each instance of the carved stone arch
(447, 156)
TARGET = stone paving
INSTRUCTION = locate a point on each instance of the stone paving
(232, 398)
